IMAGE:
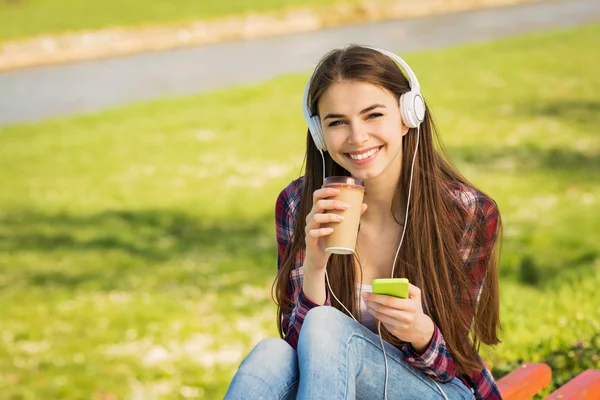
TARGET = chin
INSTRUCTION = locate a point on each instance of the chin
(365, 175)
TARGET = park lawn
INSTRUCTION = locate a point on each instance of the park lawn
(20, 18)
(137, 245)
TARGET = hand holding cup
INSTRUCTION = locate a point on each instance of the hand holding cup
(337, 205)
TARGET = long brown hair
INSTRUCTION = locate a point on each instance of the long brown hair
(430, 256)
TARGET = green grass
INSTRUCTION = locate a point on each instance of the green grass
(137, 245)
(24, 18)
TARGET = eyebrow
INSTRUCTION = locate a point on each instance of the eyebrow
(366, 110)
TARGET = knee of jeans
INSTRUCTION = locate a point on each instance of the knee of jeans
(322, 326)
(325, 315)
(268, 356)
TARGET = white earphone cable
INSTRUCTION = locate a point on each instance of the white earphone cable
(412, 169)
(335, 297)
(323, 158)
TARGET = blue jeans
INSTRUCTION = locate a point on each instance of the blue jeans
(337, 358)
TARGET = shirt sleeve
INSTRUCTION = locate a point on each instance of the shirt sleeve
(284, 225)
(436, 361)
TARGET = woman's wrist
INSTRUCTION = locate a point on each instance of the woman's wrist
(425, 333)
(307, 267)
(313, 285)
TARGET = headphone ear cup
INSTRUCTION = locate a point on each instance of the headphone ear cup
(412, 109)
(403, 114)
(317, 133)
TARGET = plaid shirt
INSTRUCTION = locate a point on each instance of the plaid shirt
(436, 361)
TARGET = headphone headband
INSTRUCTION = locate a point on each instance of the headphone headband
(412, 78)
(412, 106)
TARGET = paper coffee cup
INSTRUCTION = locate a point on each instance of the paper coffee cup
(343, 238)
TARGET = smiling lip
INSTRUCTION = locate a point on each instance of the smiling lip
(364, 160)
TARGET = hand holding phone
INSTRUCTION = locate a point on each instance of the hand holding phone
(397, 287)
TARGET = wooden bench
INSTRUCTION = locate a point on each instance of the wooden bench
(585, 386)
(525, 382)
(529, 379)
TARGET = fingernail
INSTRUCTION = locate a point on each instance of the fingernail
(328, 230)
(339, 217)
(346, 205)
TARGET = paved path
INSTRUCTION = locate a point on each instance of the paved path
(34, 94)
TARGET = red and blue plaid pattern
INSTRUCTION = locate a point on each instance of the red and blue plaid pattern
(436, 361)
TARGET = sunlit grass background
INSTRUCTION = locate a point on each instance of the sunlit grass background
(137, 245)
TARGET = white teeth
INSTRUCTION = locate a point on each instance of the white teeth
(364, 155)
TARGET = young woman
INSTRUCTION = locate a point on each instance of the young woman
(447, 252)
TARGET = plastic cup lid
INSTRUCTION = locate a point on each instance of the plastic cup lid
(344, 180)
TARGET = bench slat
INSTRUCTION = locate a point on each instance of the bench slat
(524, 382)
(585, 386)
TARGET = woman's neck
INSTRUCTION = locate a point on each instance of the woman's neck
(379, 194)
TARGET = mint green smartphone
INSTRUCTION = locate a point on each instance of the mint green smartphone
(397, 287)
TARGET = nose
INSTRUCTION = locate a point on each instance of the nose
(358, 134)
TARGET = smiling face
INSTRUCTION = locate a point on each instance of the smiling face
(363, 130)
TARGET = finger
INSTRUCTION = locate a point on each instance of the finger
(364, 208)
(389, 301)
(414, 292)
(314, 221)
(385, 319)
(308, 220)
(323, 205)
(406, 317)
(317, 233)
(326, 218)
(324, 193)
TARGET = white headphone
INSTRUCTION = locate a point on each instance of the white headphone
(412, 106)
